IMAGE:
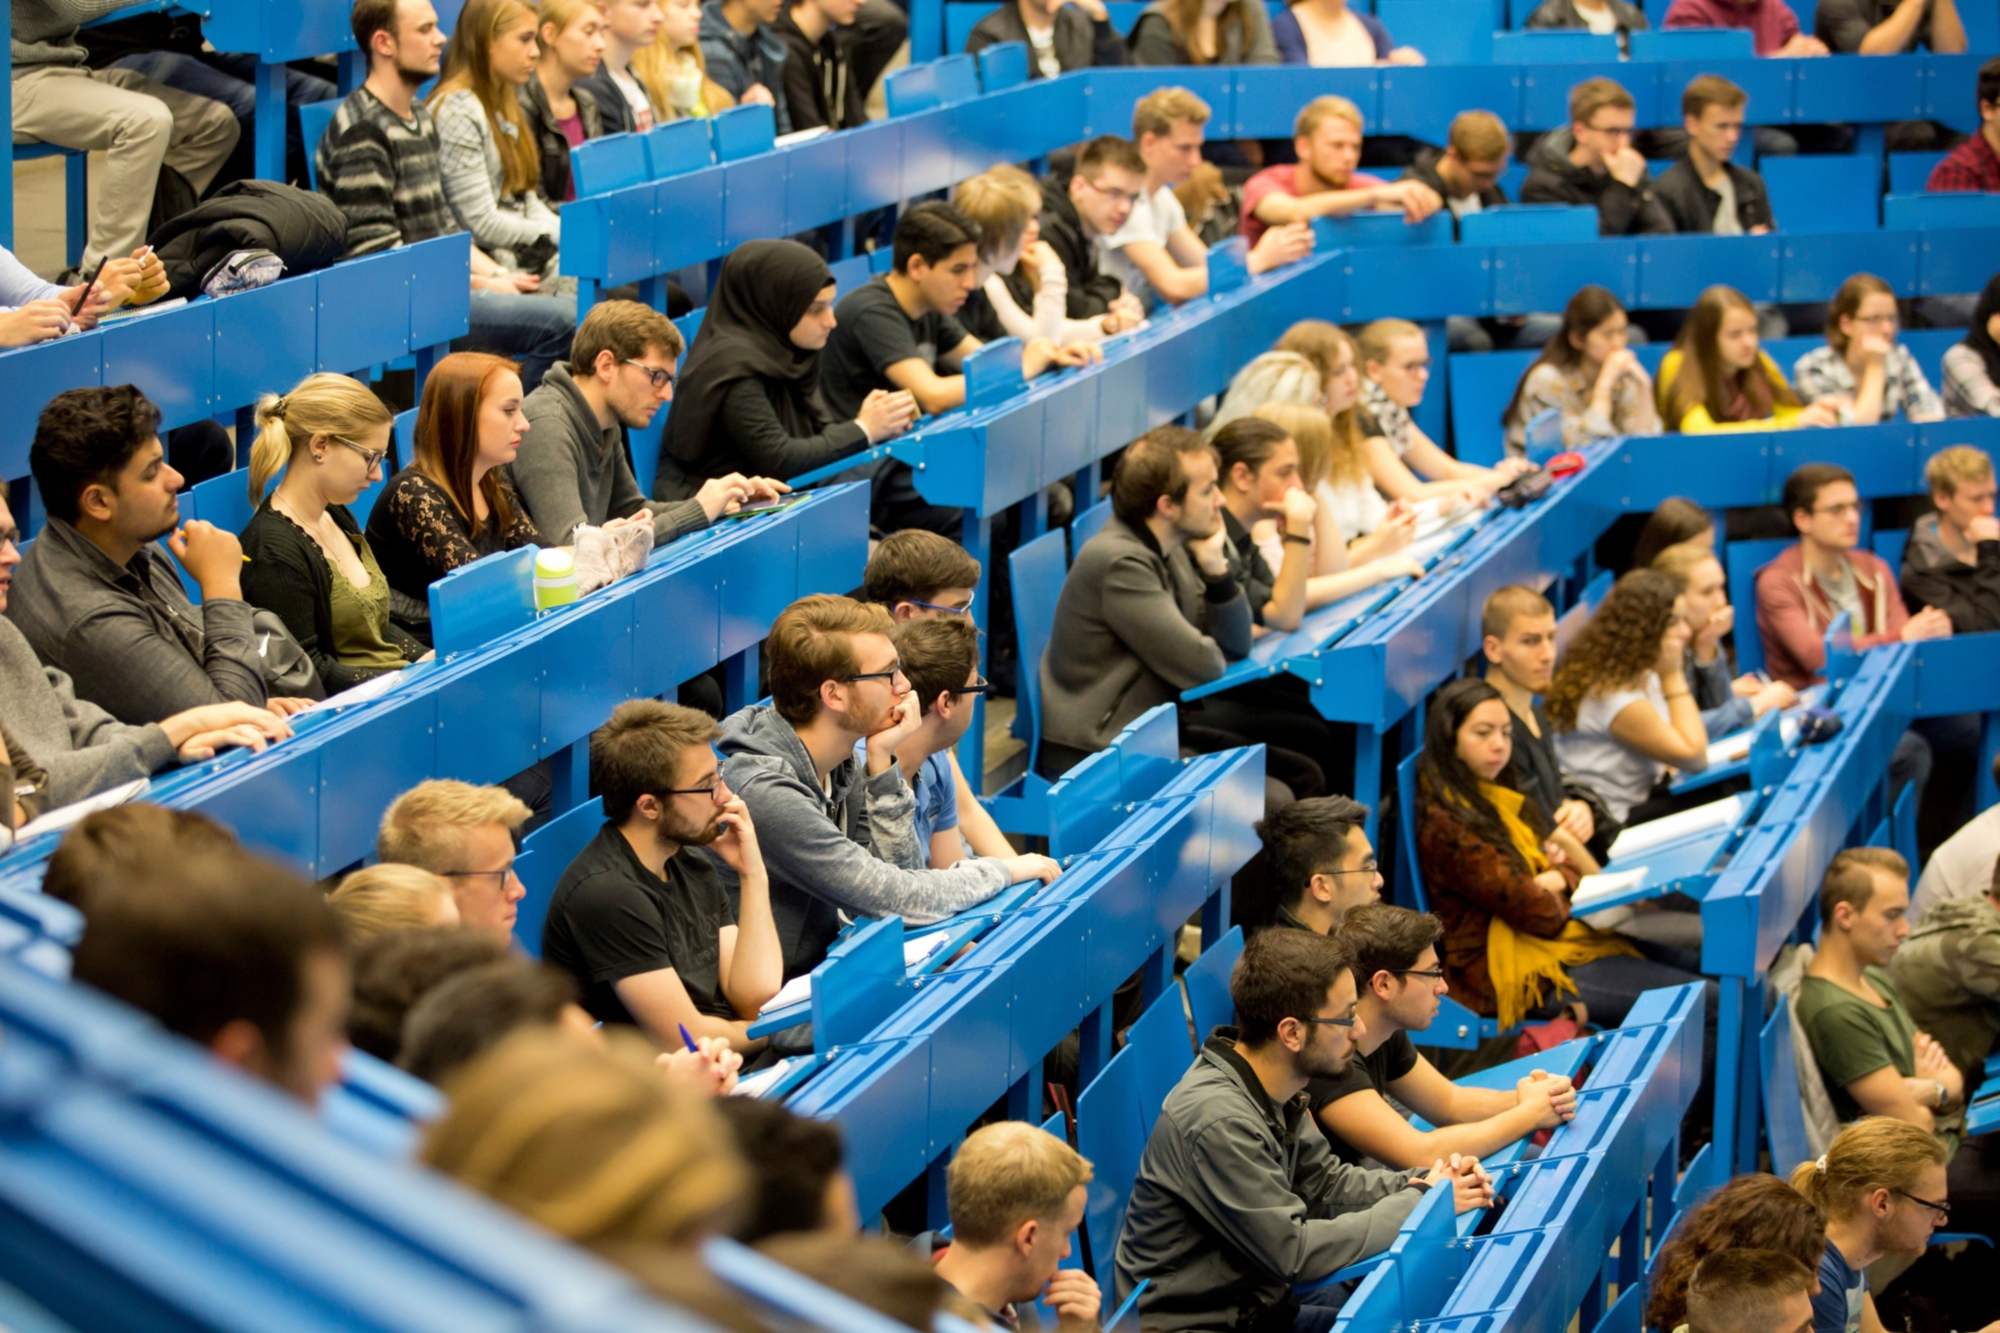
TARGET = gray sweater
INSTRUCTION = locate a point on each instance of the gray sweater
(1238, 1198)
(571, 471)
(469, 162)
(83, 747)
(45, 30)
(1136, 628)
(850, 851)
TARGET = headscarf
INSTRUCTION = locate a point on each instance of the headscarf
(765, 289)
(1977, 337)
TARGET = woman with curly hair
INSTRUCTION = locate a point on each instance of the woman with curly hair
(1620, 701)
(1757, 1211)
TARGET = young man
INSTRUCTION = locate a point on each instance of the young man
(99, 599)
(232, 952)
(1323, 183)
(379, 163)
(820, 87)
(840, 833)
(1466, 172)
(1155, 255)
(1400, 982)
(1705, 191)
(940, 658)
(1599, 16)
(1952, 559)
(1260, 480)
(744, 53)
(798, 1174)
(1949, 974)
(1828, 572)
(641, 918)
(1750, 1291)
(1593, 163)
(1237, 1197)
(1015, 1193)
(1975, 164)
(1890, 27)
(573, 467)
(1773, 27)
(1078, 210)
(1318, 863)
(629, 28)
(465, 836)
(1059, 35)
(1135, 625)
(1518, 639)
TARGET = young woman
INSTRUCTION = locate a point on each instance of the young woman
(1972, 367)
(1756, 1211)
(1726, 705)
(562, 113)
(1620, 701)
(487, 151)
(1882, 1188)
(1337, 568)
(1328, 33)
(450, 506)
(1395, 369)
(1202, 32)
(1348, 496)
(306, 558)
(1586, 373)
(749, 398)
(1715, 377)
(1862, 363)
(1023, 286)
(673, 69)
(1677, 522)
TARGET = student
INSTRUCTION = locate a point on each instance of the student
(1949, 974)
(1324, 183)
(820, 88)
(1890, 27)
(304, 557)
(488, 154)
(380, 162)
(1952, 558)
(1319, 864)
(1827, 572)
(1598, 16)
(1400, 982)
(1882, 1186)
(465, 836)
(34, 311)
(1338, 569)
(1963, 865)
(674, 66)
(1518, 640)
(1706, 191)
(1620, 699)
(1752, 1211)
(1154, 254)
(105, 848)
(623, 105)
(1350, 496)
(466, 1015)
(1862, 365)
(1201, 32)
(840, 830)
(1592, 163)
(641, 918)
(1972, 365)
(1773, 27)
(1023, 289)
(1726, 704)
(1238, 1197)
(744, 53)
(235, 953)
(1093, 203)
(1677, 521)
(1589, 375)
(561, 111)
(799, 1180)
(940, 658)
(1395, 370)
(1059, 37)
(1751, 1291)
(750, 398)
(1975, 164)
(1716, 378)
(1015, 1193)
(1326, 33)
(1466, 172)
(1260, 482)
(452, 504)
(395, 969)
(380, 898)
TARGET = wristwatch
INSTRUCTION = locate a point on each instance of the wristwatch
(1942, 1096)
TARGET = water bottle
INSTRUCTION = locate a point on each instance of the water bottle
(555, 579)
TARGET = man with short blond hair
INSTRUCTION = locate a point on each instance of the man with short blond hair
(1592, 163)
(464, 835)
(1015, 1194)
(1952, 559)
(1706, 191)
(1324, 182)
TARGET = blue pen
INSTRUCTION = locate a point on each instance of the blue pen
(687, 1037)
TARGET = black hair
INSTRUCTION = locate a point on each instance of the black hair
(1989, 81)
(87, 436)
(1283, 974)
(1387, 938)
(933, 229)
(465, 1015)
(1305, 838)
(792, 1158)
(1444, 779)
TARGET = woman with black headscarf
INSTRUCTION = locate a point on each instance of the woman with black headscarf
(1972, 367)
(749, 396)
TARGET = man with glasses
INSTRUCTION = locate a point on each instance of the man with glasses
(464, 835)
(1319, 865)
(940, 657)
(1400, 982)
(1082, 213)
(641, 918)
(818, 771)
(574, 467)
(1238, 1197)
(1593, 163)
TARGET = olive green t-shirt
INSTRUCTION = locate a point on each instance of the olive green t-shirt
(1851, 1038)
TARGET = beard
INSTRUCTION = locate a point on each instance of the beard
(1314, 1063)
(414, 78)
(685, 837)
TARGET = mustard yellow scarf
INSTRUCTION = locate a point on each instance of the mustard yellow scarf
(1522, 967)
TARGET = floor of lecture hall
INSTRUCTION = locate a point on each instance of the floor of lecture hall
(38, 214)
(1006, 758)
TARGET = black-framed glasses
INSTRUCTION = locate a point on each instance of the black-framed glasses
(711, 789)
(661, 378)
(1427, 973)
(1346, 1022)
(1369, 867)
(373, 457)
(499, 877)
(893, 672)
(979, 685)
(1943, 1210)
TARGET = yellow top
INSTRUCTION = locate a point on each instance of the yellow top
(1698, 422)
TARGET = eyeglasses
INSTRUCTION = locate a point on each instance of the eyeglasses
(1943, 1210)
(1889, 319)
(979, 685)
(1427, 973)
(373, 457)
(965, 610)
(1331, 1022)
(661, 378)
(1122, 196)
(1369, 867)
(1839, 510)
(712, 790)
(893, 673)
(499, 877)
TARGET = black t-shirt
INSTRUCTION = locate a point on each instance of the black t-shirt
(611, 919)
(1390, 1061)
(1247, 563)
(1841, 24)
(873, 334)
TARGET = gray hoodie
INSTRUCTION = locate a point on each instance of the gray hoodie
(44, 31)
(571, 471)
(83, 747)
(851, 850)
(1238, 1198)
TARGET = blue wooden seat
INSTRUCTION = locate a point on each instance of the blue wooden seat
(1741, 561)
(314, 119)
(742, 131)
(552, 846)
(1910, 173)
(1818, 193)
(675, 148)
(1528, 222)
(1553, 47)
(1111, 1132)
(609, 162)
(1088, 524)
(1003, 65)
(1448, 32)
(1207, 982)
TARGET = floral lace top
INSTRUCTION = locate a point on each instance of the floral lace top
(420, 534)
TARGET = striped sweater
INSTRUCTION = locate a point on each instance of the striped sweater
(382, 171)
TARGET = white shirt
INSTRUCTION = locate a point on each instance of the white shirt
(1962, 866)
(1155, 217)
(1599, 21)
(1356, 507)
(1726, 223)
(635, 97)
(1620, 774)
(1042, 41)
(1461, 204)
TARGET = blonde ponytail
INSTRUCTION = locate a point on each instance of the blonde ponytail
(1874, 1153)
(321, 404)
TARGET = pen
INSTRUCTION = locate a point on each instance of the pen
(688, 1037)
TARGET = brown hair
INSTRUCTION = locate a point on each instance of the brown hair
(468, 65)
(638, 752)
(623, 328)
(448, 433)
(1873, 1153)
(393, 971)
(1591, 96)
(1756, 1209)
(426, 825)
(1846, 304)
(938, 654)
(1678, 562)
(1743, 1291)
(1008, 1173)
(468, 1014)
(1850, 878)
(812, 642)
(380, 898)
(1151, 467)
(1960, 465)
(1156, 112)
(1616, 647)
(1477, 136)
(1108, 150)
(1507, 605)
(1589, 307)
(1378, 336)
(878, 1273)
(1330, 104)
(1699, 380)
(915, 565)
(1283, 974)
(1707, 90)
(1251, 441)
(1311, 429)
(369, 17)
(1184, 16)
(106, 848)
(1387, 938)
(1676, 520)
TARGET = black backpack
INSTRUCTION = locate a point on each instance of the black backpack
(302, 228)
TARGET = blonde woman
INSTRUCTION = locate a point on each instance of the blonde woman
(1348, 494)
(673, 70)
(488, 155)
(305, 556)
(1406, 463)
(381, 898)
(1336, 570)
(1023, 286)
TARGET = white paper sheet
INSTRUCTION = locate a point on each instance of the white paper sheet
(754, 1085)
(1657, 833)
(73, 813)
(1596, 888)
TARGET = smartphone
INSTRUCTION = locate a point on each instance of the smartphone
(89, 284)
(768, 507)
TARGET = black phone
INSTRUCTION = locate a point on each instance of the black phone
(83, 295)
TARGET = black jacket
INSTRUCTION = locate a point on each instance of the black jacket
(614, 114)
(1692, 204)
(1621, 209)
(1562, 14)
(1090, 292)
(1080, 40)
(1933, 576)
(820, 88)
(549, 135)
(306, 230)
(1425, 169)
